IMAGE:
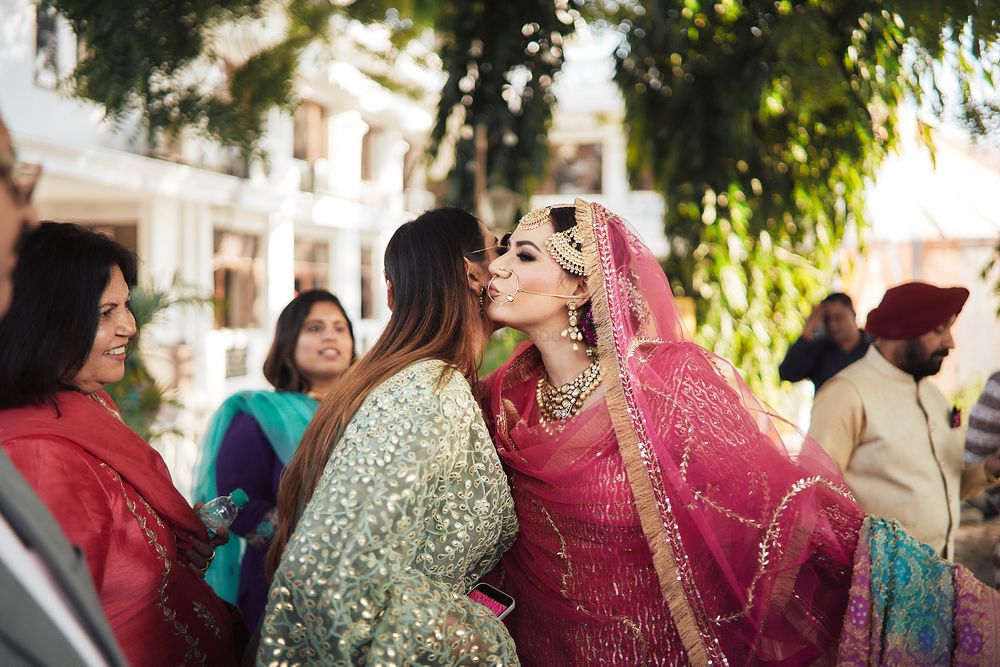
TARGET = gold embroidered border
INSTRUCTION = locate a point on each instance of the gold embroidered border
(664, 560)
(193, 650)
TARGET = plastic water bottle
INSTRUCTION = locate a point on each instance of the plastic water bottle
(220, 512)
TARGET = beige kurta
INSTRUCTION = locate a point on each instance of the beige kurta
(892, 437)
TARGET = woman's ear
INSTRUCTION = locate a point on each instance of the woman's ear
(477, 276)
(582, 290)
(390, 296)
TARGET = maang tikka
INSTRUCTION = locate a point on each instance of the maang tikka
(564, 246)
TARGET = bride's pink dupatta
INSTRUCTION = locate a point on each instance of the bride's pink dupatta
(721, 547)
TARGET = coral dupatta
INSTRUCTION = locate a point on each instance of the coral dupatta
(111, 493)
(98, 432)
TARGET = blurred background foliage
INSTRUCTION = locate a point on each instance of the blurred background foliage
(139, 397)
(759, 122)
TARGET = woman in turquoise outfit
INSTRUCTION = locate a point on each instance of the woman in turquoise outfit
(253, 435)
(395, 503)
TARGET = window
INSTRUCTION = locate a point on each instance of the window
(46, 45)
(310, 134)
(236, 362)
(312, 265)
(238, 267)
(576, 169)
(367, 279)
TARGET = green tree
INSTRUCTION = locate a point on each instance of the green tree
(760, 122)
(501, 59)
(138, 55)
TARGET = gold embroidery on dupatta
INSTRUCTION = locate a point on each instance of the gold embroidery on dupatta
(659, 532)
(640, 637)
(633, 347)
(770, 547)
(685, 462)
(563, 553)
(194, 652)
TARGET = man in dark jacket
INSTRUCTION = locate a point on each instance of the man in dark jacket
(830, 342)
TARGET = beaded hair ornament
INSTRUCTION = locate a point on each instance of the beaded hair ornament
(564, 246)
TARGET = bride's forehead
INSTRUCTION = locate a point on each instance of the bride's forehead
(535, 234)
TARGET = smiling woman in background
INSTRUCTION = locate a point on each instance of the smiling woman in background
(254, 434)
(66, 335)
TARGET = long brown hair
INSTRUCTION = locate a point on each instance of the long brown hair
(435, 316)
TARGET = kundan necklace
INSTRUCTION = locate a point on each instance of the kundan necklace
(555, 403)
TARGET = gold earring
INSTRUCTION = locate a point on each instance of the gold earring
(573, 331)
(482, 301)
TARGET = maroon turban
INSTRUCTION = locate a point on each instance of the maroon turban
(912, 309)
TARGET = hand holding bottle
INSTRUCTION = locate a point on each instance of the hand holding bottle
(219, 513)
(216, 514)
(199, 554)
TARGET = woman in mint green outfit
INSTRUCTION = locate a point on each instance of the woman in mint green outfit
(395, 503)
(253, 435)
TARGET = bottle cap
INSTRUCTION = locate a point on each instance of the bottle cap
(239, 496)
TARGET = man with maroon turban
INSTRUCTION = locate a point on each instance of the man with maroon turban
(891, 431)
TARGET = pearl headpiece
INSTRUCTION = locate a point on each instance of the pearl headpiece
(564, 246)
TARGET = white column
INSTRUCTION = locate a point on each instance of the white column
(391, 149)
(346, 133)
(156, 232)
(278, 145)
(280, 278)
(391, 163)
(614, 167)
(345, 270)
(197, 250)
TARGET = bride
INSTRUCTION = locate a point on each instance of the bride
(662, 519)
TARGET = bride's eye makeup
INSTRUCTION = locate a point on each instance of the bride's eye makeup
(523, 252)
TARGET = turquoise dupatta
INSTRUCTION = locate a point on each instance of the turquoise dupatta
(907, 606)
(283, 416)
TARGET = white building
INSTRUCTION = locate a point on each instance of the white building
(335, 187)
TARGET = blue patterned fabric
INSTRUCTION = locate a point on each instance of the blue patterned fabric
(913, 592)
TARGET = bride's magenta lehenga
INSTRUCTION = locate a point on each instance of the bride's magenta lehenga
(668, 524)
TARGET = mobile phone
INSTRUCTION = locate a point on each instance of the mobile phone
(492, 598)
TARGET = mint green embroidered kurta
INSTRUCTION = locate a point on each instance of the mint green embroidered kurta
(411, 510)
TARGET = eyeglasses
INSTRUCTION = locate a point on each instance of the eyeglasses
(501, 247)
(21, 179)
